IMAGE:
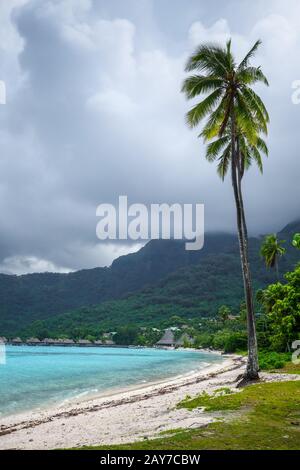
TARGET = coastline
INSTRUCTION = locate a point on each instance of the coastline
(103, 418)
(126, 416)
(90, 396)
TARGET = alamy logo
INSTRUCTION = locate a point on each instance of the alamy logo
(296, 354)
(2, 92)
(140, 222)
(296, 93)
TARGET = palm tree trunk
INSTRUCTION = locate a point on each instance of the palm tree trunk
(277, 270)
(252, 363)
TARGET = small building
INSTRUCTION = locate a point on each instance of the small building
(3, 340)
(98, 342)
(16, 341)
(47, 342)
(67, 342)
(109, 342)
(232, 317)
(184, 339)
(33, 341)
(168, 339)
(84, 342)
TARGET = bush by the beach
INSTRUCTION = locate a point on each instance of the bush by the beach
(273, 360)
(229, 341)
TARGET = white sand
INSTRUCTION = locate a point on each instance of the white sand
(123, 417)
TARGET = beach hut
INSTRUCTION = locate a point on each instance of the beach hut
(47, 342)
(109, 342)
(3, 340)
(167, 339)
(16, 341)
(84, 342)
(33, 341)
(67, 342)
(185, 338)
(98, 342)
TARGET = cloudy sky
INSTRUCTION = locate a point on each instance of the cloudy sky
(94, 111)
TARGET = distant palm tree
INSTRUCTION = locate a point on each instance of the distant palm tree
(296, 241)
(236, 116)
(271, 250)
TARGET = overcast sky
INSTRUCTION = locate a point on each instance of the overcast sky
(94, 111)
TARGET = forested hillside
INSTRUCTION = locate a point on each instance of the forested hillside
(169, 281)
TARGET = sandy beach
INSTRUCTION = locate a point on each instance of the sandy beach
(126, 416)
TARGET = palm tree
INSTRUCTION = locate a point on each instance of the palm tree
(271, 250)
(236, 116)
(296, 241)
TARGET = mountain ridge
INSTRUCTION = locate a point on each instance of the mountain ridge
(32, 297)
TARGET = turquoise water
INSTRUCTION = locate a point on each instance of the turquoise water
(37, 376)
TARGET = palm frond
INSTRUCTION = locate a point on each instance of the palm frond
(215, 123)
(252, 75)
(249, 55)
(258, 112)
(262, 146)
(224, 161)
(210, 58)
(197, 84)
(200, 110)
(257, 157)
(215, 147)
(245, 120)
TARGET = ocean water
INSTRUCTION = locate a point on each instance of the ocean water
(38, 376)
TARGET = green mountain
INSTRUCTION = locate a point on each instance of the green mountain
(160, 280)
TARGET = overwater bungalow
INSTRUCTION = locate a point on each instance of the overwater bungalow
(16, 341)
(84, 342)
(67, 342)
(167, 340)
(47, 342)
(64, 342)
(33, 341)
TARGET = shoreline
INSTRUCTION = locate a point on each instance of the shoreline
(86, 421)
(90, 396)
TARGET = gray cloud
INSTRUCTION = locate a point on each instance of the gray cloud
(94, 111)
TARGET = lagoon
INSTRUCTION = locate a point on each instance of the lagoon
(40, 376)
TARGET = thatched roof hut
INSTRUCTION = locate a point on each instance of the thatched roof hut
(16, 341)
(109, 342)
(84, 342)
(185, 338)
(67, 342)
(49, 341)
(98, 342)
(64, 341)
(33, 341)
(167, 339)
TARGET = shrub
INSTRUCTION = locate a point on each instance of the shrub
(229, 341)
(235, 341)
(273, 360)
(204, 340)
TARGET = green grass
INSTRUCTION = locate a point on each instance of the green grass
(262, 416)
(289, 368)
